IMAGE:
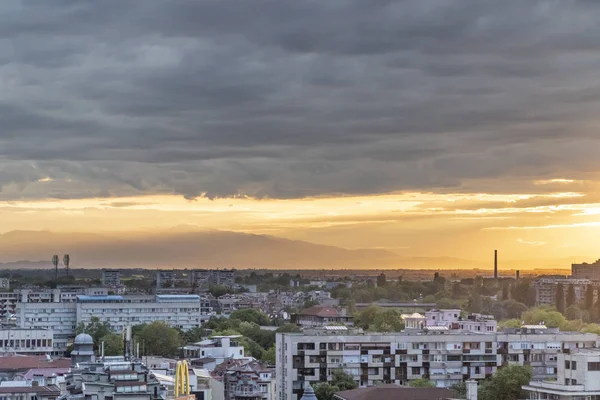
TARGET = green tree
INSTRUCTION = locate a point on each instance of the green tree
(506, 384)
(218, 290)
(381, 280)
(194, 335)
(550, 317)
(589, 298)
(505, 291)
(421, 383)
(475, 302)
(251, 315)
(310, 303)
(460, 390)
(573, 312)
(340, 381)
(159, 339)
(289, 328)
(560, 298)
(113, 344)
(95, 329)
(366, 317)
(570, 296)
(268, 356)
(387, 321)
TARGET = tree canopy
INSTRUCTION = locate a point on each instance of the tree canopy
(505, 384)
(340, 381)
(159, 339)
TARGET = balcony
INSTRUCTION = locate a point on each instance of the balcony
(248, 393)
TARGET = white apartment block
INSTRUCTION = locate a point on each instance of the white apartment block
(56, 316)
(27, 341)
(578, 378)
(453, 320)
(4, 283)
(180, 311)
(218, 347)
(445, 357)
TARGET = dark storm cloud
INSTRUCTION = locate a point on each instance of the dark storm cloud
(292, 99)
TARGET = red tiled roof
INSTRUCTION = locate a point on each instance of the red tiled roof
(25, 363)
(321, 311)
(31, 389)
(394, 392)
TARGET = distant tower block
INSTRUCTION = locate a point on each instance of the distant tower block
(518, 274)
(55, 263)
(495, 264)
(67, 261)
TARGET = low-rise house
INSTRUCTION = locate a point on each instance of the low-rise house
(394, 392)
(322, 316)
(218, 347)
(29, 392)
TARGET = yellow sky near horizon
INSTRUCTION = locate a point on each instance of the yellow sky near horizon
(552, 224)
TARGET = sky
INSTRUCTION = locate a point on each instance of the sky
(428, 128)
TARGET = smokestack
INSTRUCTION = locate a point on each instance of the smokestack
(471, 389)
(518, 274)
(495, 264)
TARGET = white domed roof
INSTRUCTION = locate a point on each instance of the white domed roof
(84, 338)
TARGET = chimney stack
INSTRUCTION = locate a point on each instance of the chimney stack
(495, 264)
(518, 274)
(471, 389)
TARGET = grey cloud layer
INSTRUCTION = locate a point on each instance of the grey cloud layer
(292, 99)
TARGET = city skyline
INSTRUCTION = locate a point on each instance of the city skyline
(423, 129)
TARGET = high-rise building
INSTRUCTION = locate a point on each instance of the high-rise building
(165, 279)
(111, 277)
(586, 271)
(546, 288)
(63, 316)
(203, 278)
(445, 357)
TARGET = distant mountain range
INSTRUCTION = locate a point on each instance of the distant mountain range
(182, 248)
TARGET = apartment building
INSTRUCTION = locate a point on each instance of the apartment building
(444, 356)
(111, 277)
(545, 288)
(179, 311)
(452, 319)
(165, 279)
(4, 283)
(62, 317)
(27, 341)
(586, 271)
(578, 377)
(203, 278)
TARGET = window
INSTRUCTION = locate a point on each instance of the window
(567, 364)
(594, 366)
(573, 364)
(416, 370)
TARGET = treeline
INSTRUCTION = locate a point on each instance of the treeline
(159, 339)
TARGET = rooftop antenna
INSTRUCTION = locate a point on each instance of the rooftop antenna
(55, 263)
(66, 261)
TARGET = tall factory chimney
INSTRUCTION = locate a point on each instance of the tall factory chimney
(518, 274)
(495, 264)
